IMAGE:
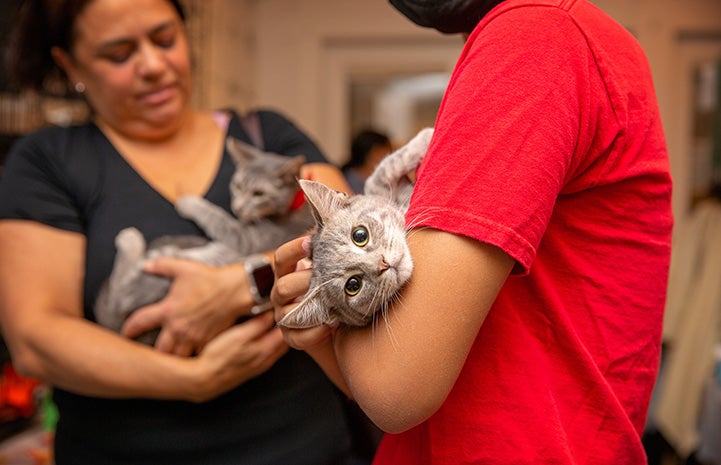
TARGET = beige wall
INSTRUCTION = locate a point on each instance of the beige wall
(299, 56)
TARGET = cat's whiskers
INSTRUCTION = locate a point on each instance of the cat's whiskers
(382, 315)
(321, 285)
(416, 230)
(395, 300)
(412, 227)
(379, 309)
(375, 305)
(390, 296)
(416, 219)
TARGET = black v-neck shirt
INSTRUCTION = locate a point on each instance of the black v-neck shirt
(74, 179)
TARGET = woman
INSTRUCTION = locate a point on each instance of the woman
(65, 194)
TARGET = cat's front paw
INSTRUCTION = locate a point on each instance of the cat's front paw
(187, 206)
(130, 241)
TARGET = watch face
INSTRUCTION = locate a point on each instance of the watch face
(264, 278)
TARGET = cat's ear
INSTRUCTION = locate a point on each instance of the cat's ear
(323, 200)
(241, 152)
(291, 168)
(309, 313)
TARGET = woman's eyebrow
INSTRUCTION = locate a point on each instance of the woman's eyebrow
(127, 40)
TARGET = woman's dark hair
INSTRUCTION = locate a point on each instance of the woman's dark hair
(362, 144)
(40, 25)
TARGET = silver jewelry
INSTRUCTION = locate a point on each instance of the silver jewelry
(79, 87)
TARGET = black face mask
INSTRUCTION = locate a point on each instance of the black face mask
(449, 16)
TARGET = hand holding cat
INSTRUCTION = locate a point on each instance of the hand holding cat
(202, 301)
(292, 279)
(237, 355)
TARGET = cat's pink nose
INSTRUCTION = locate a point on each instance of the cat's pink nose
(382, 266)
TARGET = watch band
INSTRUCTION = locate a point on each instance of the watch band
(260, 280)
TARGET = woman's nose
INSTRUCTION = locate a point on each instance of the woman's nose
(151, 60)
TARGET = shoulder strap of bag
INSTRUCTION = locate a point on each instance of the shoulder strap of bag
(251, 125)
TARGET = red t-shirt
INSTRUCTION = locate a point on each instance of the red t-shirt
(549, 145)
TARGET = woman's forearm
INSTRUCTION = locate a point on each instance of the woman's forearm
(82, 357)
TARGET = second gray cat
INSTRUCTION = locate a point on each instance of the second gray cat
(359, 250)
(264, 191)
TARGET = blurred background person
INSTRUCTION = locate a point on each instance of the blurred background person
(368, 148)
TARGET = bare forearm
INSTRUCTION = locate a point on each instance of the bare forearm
(401, 369)
(49, 339)
(65, 357)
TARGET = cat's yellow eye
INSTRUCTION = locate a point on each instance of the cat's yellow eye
(353, 285)
(360, 236)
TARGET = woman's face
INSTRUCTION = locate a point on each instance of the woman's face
(132, 57)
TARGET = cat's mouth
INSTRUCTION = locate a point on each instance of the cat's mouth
(252, 214)
(257, 214)
(400, 268)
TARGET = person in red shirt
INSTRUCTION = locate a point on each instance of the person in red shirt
(530, 330)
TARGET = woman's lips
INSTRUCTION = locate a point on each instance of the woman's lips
(158, 96)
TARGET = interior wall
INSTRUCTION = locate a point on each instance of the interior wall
(298, 56)
(313, 49)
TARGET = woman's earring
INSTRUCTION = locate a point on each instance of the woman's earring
(79, 87)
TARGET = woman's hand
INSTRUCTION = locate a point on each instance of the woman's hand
(240, 353)
(121, 368)
(202, 302)
(292, 278)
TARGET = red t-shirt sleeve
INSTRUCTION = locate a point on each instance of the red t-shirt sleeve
(506, 134)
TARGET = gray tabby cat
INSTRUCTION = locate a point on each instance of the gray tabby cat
(264, 193)
(359, 250)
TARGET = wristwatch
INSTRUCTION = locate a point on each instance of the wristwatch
(260, 280)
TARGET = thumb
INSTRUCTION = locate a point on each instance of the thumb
(165, 266)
